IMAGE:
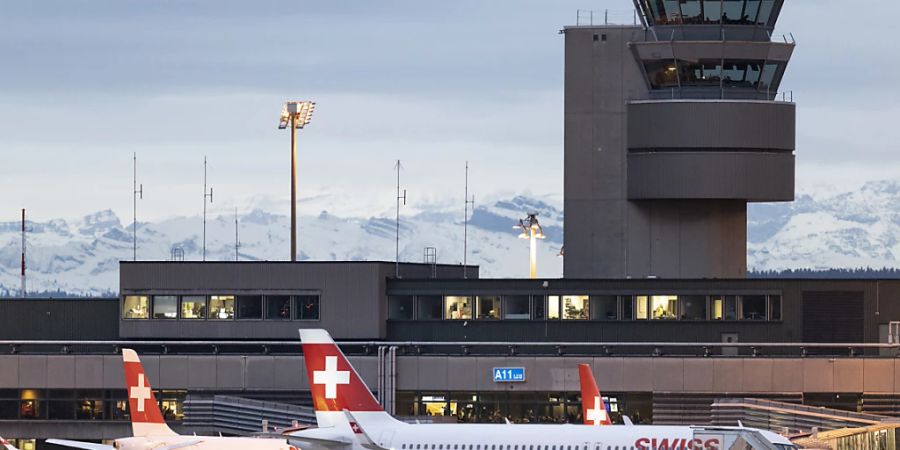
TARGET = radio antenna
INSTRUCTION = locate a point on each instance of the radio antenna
(237, 243)
(466, 223)
(137, 192)
(398, 167)
(24, 289)
(205, 195)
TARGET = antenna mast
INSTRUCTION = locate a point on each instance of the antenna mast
(205, 195)
(399, 197)
(137, 192)
(24, 290)
(237, 243)
(466, 223)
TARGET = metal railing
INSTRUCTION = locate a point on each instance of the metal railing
(589, 17)
(462, 348)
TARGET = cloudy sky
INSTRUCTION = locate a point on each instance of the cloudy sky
(84, 84)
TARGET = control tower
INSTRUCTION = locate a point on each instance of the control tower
(671, 128)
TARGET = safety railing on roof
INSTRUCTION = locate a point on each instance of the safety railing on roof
(589, 17)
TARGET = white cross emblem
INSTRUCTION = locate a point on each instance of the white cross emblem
(331, 377)
(597, 415)
(141, 393)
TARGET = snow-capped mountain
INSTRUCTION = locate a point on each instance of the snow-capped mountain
(82, 256)
(853, 229)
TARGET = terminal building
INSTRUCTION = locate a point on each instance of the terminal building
(671, 128)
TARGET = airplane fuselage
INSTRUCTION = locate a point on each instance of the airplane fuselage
(201, 443)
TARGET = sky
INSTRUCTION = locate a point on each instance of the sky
(84, 85)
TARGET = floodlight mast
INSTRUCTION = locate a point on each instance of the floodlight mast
(295, 115)
(532, 231)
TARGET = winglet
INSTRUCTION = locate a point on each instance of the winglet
(591, 401)
(360, 434)
(146, 418)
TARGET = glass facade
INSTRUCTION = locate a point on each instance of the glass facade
(517, 407)
(224, 307)
(80, 404)
(690, 307)
(709, 12)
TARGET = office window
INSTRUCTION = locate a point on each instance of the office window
(553, 307)
(457, 308)
(575, 307)
(641, 308)
(768, 76)
(539, 307)
(693, 307)
(712, 11)
(774, 307)
(400, 307)
(753, 307)
(221, 307)
(664, 307)
(741, 73)
(165, 307)
(733, 12)
(193, 307)
(516, 307)
(136, 307)
(249, 307)
(627, 307)
(724, 307)
(765, 12)
(690, 11)
(429, 307)
(307, 307)
(488, 307)
(278, 307)
(604, 307)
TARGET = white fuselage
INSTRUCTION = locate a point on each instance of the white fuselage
(202, 443)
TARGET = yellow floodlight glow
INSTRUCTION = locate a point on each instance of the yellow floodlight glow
(532, 231)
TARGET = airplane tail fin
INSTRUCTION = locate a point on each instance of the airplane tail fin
(592, 404)
(146, 418)
(334, 383)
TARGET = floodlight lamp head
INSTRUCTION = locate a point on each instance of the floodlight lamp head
(300, 113)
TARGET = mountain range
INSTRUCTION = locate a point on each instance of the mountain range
(81, 256)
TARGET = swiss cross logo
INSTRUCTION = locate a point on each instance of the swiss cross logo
(3, 441)
(597, 414)
(356, 428)
(140, 393)
(331, 377)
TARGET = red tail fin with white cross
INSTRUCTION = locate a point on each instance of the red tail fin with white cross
(334, 383)
(6, 445)
(592, 405)
(146, 419)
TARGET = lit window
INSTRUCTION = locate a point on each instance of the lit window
(724, 307)
(136, 307)
(553, 307)
(193, 307)
(664, 307)
(307, 307)
(221, 307)
(575, 307)
(165, 307)
(641, 311)
(458, 308)
(488, 307)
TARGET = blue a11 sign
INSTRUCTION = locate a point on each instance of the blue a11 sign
(509, 374)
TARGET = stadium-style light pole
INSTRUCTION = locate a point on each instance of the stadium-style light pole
(295, 115)
(532, 231)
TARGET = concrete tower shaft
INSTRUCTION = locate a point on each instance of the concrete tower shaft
(670, 129)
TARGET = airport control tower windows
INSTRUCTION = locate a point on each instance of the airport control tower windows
(136, 307)
(662, 74)
(708, 12)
